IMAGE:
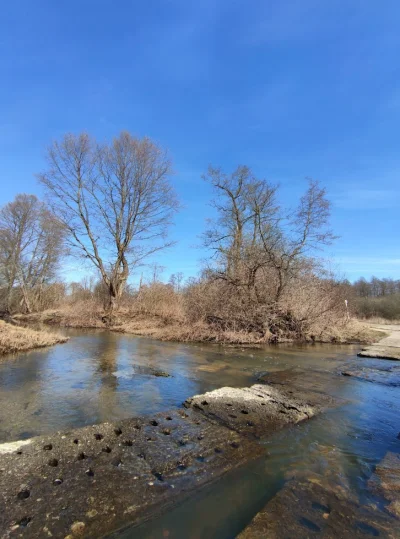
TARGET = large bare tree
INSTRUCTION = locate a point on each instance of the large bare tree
(254, 238)
(115, 199)
(31, 244)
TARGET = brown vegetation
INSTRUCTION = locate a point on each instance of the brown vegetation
(19, 339)
(161, 311)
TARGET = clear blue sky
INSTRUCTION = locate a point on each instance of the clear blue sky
(292, 88)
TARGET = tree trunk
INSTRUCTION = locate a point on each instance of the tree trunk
(25, 300)
(112, 305)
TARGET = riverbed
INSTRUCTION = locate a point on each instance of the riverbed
(101, 376)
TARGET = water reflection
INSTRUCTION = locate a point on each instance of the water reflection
(94, 378)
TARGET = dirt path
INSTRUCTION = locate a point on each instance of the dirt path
(386, 348)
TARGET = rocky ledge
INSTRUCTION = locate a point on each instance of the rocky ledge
(258, 411)
(314, 507)
(95, 480)
(386, 348)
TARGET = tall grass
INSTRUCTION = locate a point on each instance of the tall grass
(18, 339)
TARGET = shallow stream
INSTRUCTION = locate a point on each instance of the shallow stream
(100, 376)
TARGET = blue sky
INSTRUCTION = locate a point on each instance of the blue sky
(292, 88)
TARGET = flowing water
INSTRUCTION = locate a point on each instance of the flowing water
(100, 376)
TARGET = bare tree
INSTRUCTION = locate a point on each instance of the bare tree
(293, 238)
(31, 244)
(115, 200)
(241, 201)
(256, 241)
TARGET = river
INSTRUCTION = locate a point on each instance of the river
(99, 376)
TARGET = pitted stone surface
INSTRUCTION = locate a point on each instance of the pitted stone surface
(100, 478)
(312, 507)
(257, 411)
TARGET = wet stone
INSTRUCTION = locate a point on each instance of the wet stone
(134, 480)
(386, 482)
(314, 507)
(264, 408)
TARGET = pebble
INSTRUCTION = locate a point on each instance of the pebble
(92, 513)
(78, 528)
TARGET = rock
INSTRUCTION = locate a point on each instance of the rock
(165, 471)
(313, 507)
(386, 481)
(78, 528)
(257, 411)
(381, 352)
(389, 376)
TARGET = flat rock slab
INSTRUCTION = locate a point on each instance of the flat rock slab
(314, 387)
(381, 352)
(98, 479)
(305, 509)
(389, 376)
(257, 411)
(388, 347)
(386, 481)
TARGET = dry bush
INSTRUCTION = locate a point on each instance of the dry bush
(310, 308)
(159, 300)
(18, 339)
(80, 314)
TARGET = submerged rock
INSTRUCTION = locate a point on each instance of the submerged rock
(313, 507)
(389, 376)
(141, 370)
(386, 481)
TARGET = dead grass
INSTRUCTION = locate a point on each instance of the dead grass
(164, 319)
(156, 327)
(18, 339)
(82, 314)
(354, 331)
(379, 321)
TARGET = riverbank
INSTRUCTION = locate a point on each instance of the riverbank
(347, 332)
(20, 339)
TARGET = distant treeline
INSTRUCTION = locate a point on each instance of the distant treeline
(377, 298)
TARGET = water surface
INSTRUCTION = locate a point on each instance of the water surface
(98, 376)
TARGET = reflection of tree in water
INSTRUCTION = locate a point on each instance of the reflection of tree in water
(107, 345)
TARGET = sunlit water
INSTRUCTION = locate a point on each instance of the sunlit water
(95, 377)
